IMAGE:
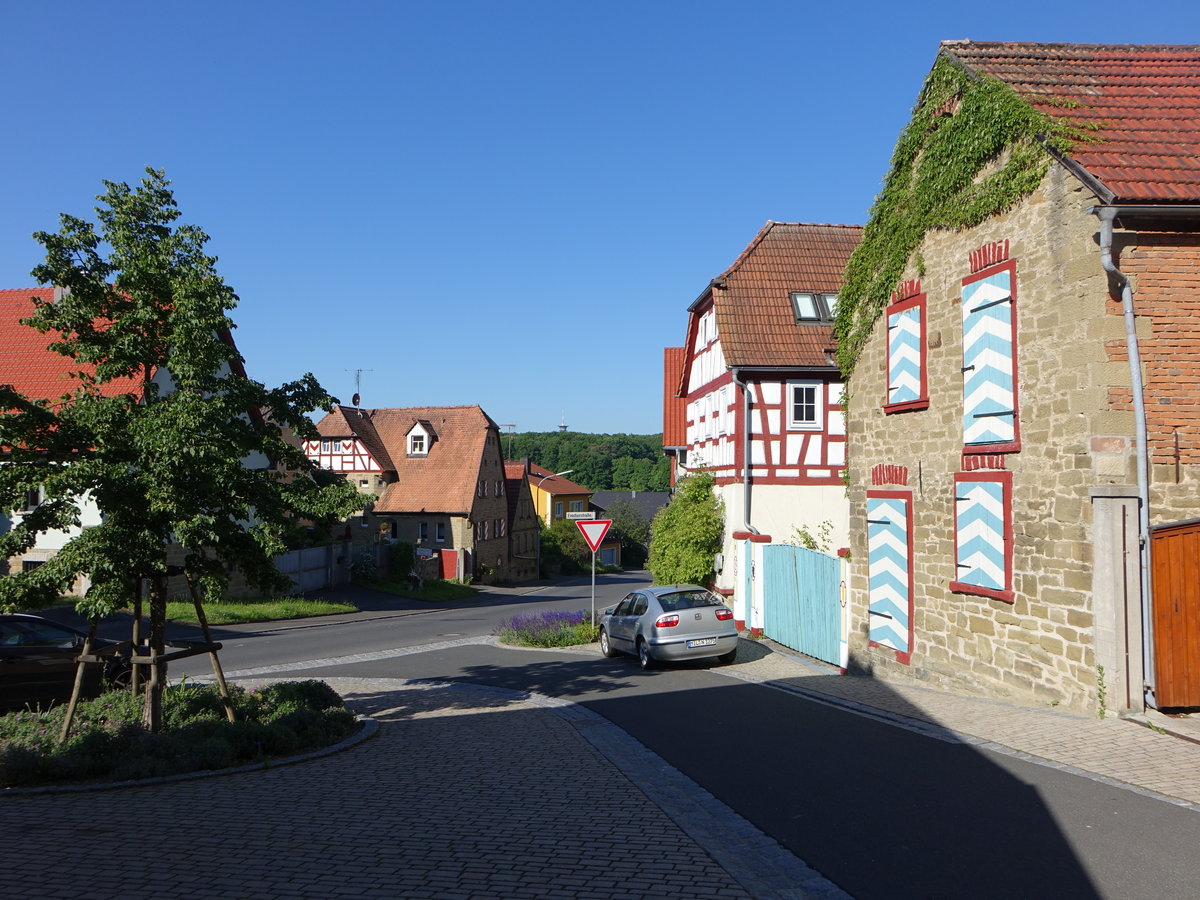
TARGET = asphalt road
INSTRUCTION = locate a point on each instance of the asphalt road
(881, 811)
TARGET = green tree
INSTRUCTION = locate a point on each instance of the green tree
(632, 530)
(685, 535)
(564, 547)
(178, 462)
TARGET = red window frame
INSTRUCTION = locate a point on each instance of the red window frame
(1006, 594)
(1014, 445)
(919, 301)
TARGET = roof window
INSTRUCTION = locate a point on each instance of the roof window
(814, 307)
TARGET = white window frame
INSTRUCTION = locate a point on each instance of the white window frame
(818, 421)
(558, 509)
(416, 444)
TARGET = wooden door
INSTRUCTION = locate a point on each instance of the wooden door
(1175, 564)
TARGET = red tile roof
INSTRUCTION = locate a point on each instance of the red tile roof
(753, 296)
(27, 364)
(444, 480)
(514, 483)
(554, 485)
(674, 408)
(1145, 99)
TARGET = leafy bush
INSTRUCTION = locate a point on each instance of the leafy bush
(548, 628)
(685, 535)
(402, 559)
(108, 742)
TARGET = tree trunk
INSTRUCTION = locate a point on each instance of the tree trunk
(152, 710)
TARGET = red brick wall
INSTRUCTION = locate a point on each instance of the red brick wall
(1165, 272)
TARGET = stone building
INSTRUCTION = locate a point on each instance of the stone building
(1002, 512)
(439, 478)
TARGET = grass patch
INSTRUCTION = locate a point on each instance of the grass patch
(549, 629)
(432, 591)
(108, 743)
(232, 612)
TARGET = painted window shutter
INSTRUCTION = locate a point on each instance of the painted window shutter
(989, 396)
(904, 355)
(888, 553)
(980, 525)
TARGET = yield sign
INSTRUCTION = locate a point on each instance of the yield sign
(593, 531)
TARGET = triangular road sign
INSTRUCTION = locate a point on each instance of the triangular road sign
(593, 531)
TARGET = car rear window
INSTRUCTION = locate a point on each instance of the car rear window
(688, 600)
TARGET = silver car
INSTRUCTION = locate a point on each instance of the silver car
(667, 623)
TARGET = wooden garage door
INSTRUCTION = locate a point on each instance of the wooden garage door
(1175, 561)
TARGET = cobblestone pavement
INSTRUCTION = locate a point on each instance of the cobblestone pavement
(463, 793)
(467, 792)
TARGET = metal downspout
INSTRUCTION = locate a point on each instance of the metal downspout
(1107, 214)
(746, 526)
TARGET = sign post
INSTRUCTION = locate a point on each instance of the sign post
(593, 531)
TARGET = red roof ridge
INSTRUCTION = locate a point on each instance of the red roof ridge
(767, 228)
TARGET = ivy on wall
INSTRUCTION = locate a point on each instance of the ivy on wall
(973, 148)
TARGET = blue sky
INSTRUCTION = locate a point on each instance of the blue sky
(509, 204)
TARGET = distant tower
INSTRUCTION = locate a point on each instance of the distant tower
(563, 421)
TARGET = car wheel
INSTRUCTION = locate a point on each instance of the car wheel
(726, 658)
(605, 646)
(645, 659)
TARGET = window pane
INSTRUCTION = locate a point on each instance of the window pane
(805, 306)
(831, 301)
(804, 404)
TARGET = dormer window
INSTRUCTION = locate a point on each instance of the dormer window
(416, 444)
(814, 307)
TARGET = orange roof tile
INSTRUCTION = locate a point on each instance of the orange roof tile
(554, 484)
(674, 407)
(27, 364)
(444, 480)
(1145, 100)
(753, 301)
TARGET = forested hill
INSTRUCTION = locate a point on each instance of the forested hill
(601, 462)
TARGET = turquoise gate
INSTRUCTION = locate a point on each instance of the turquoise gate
(802, 600)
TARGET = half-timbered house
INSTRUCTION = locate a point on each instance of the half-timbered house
(763, 393)
(1024, 415)
(438, 478)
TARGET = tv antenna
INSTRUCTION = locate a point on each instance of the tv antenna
(356, 400)
(510, 439)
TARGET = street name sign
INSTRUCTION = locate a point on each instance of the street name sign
(576, 516)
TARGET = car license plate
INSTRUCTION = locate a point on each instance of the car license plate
(702, 642)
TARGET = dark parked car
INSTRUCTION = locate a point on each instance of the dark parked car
(667, 623)
(37, 663)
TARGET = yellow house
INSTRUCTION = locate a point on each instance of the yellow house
(554, 496)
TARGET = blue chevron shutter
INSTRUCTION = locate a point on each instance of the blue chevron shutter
(888, 552)
(904, 355)
(989, 379)
(981, 525)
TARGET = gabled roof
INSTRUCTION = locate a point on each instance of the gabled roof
(514, 483)
(347, 422)
(1145, 100)
(752, 297)
(444, 480)
(555, 484)
(644, 503)
(25, 361)
(674, 408)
